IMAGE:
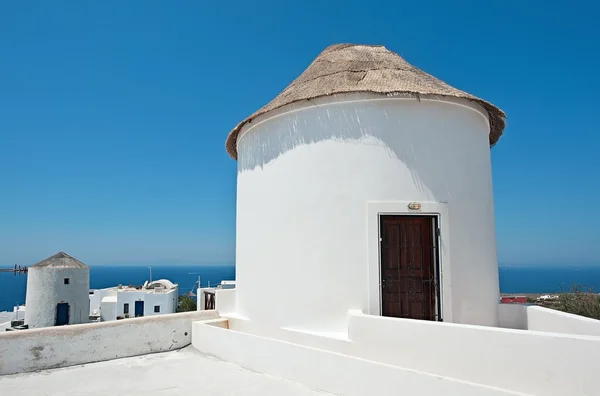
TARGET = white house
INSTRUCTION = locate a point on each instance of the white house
(57, 292)
(153, 298)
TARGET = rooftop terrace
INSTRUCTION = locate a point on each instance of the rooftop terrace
(181, 372)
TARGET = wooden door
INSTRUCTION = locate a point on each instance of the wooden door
(408, 275)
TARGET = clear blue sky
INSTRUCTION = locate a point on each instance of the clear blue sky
(113, 115)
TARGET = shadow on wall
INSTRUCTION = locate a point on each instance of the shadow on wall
(423, 135)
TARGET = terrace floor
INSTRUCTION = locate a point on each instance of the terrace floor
(181, 372)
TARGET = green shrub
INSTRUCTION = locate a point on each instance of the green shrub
(186, 304)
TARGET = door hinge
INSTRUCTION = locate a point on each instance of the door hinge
(438, 232)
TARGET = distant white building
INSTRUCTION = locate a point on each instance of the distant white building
(205, 299)
(8, 318)
(547, 297)
(57, 292)
(153, 298)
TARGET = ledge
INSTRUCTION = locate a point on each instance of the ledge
(52, 347)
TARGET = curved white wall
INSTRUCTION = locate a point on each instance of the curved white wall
(305, 176)
(46, 288)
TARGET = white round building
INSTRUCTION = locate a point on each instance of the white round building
(366, 185)
(57, 292)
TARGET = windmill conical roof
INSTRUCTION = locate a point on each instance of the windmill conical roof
(348, 68)
(60, 260)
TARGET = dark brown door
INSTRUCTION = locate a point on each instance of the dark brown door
(408, 276)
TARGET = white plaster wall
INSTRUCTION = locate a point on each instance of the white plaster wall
(5, 318)
(46, 288)
(545, 319)
(19, 309)
(97, 296)
(130, 298)
(533, 317)
(334, 342)
(39, 349)
(523, 361)
(225, 301)
(532, 362)
(305, 178)
(324, 370)
(167, 301)
(174, 297)
(17, 313)
(95, 300)
(512, 316)
(108, 308)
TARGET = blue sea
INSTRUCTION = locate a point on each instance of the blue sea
(514, 279)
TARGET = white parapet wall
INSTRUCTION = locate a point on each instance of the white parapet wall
(512, 316)
(530, 362)
(225, 301)
(533, 317)
(52, 347)
(546, 319)
(325, 370)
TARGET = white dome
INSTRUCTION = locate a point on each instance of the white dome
(167, 284)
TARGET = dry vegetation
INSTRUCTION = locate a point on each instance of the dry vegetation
(579, 300)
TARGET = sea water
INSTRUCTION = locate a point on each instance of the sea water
(513, 279)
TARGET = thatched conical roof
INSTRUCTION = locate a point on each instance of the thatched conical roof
(346, 68)
(60, 260)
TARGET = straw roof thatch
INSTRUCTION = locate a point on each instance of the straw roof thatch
(345, 68)
(60, 260)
